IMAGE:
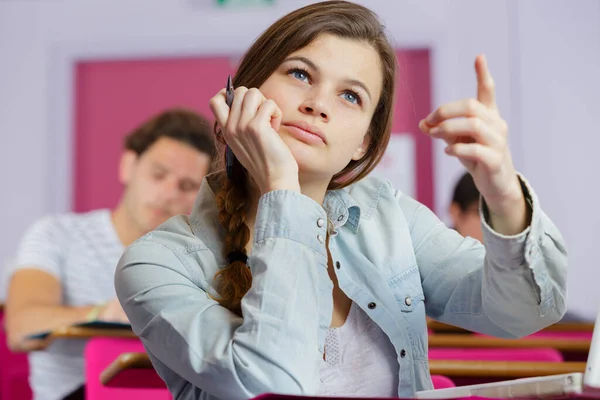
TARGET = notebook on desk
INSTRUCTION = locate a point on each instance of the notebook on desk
(91, 325)
(583, 385)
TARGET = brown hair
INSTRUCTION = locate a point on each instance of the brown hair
(465, 192)
(180, 124)
(289, 34)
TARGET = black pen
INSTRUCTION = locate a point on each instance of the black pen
(229, 156)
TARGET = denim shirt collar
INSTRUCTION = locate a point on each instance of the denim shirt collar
(341, 207)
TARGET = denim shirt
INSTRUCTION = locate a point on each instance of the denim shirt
(392, 256)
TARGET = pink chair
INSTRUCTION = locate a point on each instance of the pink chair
(442, 382)
(570, 335)
(100, 353)
(14, 371)
(2, 343)
(547, 355)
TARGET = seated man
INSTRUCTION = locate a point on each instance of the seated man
(464, 215)
(464, 209)
(63, 273)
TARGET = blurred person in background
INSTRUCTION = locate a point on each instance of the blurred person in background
(464, 208)
(466, 220)
(63, 272)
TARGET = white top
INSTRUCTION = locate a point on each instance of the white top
(360, 360)
(82, 251)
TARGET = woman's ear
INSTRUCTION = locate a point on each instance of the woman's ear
(362, 149)
(127, 165)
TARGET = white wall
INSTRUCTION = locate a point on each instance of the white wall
(558, 77)
(37, 38)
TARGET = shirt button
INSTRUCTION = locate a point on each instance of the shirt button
(402, 353)
(372, 305)
(320, 222)
(320, 238)
(340, 218)
(408, 301)
(532, 251)
(338, 265)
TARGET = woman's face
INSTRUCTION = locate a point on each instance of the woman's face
(327, 92)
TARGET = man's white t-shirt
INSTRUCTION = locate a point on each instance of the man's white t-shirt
(81, 251)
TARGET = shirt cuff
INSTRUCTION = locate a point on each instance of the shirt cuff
(513, 249)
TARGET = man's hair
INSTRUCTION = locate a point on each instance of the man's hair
(465, 192)
(180, 124)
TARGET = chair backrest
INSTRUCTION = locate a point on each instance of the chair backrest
(549, 355)
(14, 371)
(100, 353)
(442, 382)
(563, 335)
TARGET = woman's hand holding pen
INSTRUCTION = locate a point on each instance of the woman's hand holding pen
(251, 128)
(477, 135)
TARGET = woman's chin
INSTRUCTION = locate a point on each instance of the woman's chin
(309, 170)
(312, 161)
(306, 156)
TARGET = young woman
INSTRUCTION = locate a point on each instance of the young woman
(302, 275)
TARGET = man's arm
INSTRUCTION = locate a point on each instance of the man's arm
(34, 305)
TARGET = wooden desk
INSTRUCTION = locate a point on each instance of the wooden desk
(570, 327)
(76, 332)
(471, 341)
(131, 370)
(440, 327)
(73, 332)
(502, 369)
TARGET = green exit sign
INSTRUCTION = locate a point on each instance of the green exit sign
(244, 3)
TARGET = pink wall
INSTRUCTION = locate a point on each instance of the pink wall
(113, 97)
(413, 103)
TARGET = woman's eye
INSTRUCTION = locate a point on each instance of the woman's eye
(352, 97)
(300, 75)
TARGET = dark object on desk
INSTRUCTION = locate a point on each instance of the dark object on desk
(103, 325)
(90, 325)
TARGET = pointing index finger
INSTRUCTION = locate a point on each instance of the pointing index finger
(486, 91)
